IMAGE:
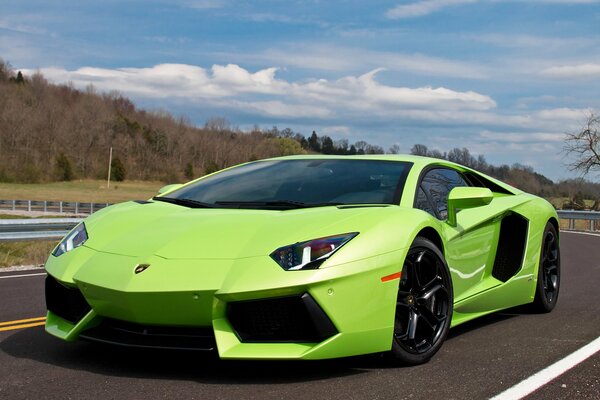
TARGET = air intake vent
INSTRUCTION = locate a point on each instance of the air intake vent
(511, 247)
(67, 303)
(283, 319)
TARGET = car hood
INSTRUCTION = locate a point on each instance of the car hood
(176, 232)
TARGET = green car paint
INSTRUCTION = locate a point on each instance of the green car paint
(202, 259)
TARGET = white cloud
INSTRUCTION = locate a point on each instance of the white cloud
(573, 71)
(263, 93)
(423, 7)
(339, 58)
(522, 137)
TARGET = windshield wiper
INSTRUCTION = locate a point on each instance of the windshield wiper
(285, 204)
(184, 202)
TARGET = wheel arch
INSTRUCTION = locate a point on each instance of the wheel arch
(433, 235)
(556, 225)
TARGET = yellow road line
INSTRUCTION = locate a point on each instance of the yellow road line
(10, 328)
(22, 321)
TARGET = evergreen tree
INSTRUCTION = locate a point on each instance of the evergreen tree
(20, 80)
(117, 170)
(189, 171)
(326, 145)
(211, 167)
(64, 170)
(313, 142)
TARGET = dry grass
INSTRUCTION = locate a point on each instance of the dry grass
(93, 191)
(580, 225)
(25, 253)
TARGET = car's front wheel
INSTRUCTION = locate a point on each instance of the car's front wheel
(424, 304)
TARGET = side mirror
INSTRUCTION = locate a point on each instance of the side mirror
(466, 197)
(169, 188)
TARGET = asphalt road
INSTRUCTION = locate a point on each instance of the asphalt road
(479, 359)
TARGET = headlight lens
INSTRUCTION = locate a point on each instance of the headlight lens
(74, 239)
(310, 254)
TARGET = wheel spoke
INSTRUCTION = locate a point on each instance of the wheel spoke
(428, 293)
(430, 319)
(413, 319)
(416, 283)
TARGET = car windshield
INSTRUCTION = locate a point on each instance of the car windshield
(299, 183)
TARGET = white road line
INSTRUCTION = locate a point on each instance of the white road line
(538, 380)
(581, 233)
(21, 276)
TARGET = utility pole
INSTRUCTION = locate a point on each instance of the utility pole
(109, 165)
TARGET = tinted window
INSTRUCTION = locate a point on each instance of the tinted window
(422, 202)
(308, 181)
(437, 184)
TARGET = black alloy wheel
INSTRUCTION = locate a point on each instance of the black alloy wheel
(424, 304)
(548, 284)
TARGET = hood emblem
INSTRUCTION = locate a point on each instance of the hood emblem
(141, 268)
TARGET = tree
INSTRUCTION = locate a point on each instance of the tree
(419, 150)
(189, 170)
(64, 170)
(584, 146)
(217, 124)
(117, 170)
(20, 80)
(394, 149)
(326, 145)
(361, 147)
(314, 143)
(211, 167)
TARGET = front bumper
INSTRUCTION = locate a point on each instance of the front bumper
(339, 311)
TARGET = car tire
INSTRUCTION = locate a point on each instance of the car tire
(548, 278)
(424, 305)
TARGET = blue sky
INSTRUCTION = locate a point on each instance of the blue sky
(505, 78)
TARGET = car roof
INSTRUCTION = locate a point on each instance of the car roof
(417, 160)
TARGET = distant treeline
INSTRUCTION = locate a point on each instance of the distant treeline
(52, 132)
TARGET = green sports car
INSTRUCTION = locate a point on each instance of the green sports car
(306, 257)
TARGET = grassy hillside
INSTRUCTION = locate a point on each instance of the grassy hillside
(93, 191)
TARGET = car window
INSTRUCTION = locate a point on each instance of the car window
(423, 203)
(436, 186)
(306, 181)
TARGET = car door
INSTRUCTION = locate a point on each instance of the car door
(469, 244)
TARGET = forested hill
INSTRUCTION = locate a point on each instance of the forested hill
(52, 132)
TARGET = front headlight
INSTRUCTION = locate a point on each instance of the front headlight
(74, 239)
(310, 254)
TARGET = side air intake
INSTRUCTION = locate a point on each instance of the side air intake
(511, 247)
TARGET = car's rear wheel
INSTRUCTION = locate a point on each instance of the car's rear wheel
(424, 304)
(548, 282)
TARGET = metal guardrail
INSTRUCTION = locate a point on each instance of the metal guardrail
(54, 207)
(573, 215)
(56, 228)
(35, 229)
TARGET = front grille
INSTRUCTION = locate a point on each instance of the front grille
(283, 319)
(123, 333)
(67, 303)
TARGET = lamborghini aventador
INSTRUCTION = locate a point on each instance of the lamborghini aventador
(306, 257)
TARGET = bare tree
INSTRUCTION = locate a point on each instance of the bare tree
(584, 146)
(394, 149)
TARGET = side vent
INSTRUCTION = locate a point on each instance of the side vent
(511, 247)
